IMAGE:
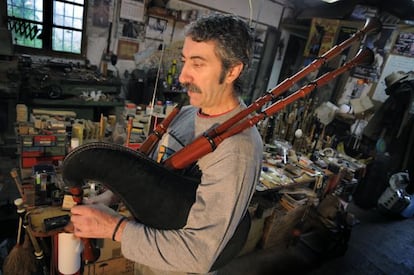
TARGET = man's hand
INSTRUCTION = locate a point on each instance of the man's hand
(94, 221)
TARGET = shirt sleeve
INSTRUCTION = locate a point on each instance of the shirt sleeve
(227, 184)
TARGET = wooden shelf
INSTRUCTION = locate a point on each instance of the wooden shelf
(84, 109)
(75, 103)
(163, 13)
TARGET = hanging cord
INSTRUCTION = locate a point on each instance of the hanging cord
(250, 13)
(257, 16)
(157, 78)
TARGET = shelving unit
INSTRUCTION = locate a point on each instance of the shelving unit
(84, 109)
(37, 149)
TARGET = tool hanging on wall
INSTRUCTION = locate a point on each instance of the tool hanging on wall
(108, 55)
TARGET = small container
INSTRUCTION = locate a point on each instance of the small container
(77, 132)
(74, 142)
(29, 196)
(21, 113)
(169, 106)
(159, 108)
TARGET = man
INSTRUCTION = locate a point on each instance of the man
(216, 51)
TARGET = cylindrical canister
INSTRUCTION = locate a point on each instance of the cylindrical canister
(69, 253)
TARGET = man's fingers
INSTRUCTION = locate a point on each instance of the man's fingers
(69, 228)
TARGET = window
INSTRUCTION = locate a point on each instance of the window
(49, 25)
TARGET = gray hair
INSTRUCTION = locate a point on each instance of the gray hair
(233, 37)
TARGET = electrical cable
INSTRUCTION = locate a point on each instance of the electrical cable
(157, 78)
(250, 13)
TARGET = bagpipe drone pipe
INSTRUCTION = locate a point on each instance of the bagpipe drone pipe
(160, 195)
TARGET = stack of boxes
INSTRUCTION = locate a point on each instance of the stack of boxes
(37, 148)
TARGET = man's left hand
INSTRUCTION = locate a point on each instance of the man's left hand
(94, 221)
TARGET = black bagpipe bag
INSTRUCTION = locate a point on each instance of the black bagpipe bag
(156, 196)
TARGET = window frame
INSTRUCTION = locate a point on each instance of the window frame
(47, 34)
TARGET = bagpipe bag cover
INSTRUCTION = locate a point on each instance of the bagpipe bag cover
(155, 196)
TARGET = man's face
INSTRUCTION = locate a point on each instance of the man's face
(200, 75)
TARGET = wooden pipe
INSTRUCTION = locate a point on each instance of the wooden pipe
(372, 25)
(38, 252)
(129, 131)
(90, 252)
(206, 144)
(14, 174)
(199, 147)
(152, 139)
(21, 211)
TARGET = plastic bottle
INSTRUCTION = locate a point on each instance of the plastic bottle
(169, 106)
(169, 79)
(173, 68)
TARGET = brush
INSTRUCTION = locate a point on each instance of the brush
(20, 260)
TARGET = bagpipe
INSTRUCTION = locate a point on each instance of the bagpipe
(160, 195)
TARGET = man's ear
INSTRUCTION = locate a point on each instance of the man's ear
(234, 72)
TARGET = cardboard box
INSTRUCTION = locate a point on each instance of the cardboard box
(109, 249)
(255, 235)
(30, 162)
(279, 227)
(115, 266)
(44, 140)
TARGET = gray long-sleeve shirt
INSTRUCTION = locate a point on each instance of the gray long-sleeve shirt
(229, 176)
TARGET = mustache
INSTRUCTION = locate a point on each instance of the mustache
(192, 87)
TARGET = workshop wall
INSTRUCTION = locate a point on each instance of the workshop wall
(134, 48)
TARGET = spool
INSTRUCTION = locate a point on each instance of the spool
(21, 113)
(74, 142)
(77, 132)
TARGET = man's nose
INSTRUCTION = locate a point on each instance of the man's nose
(185, 76)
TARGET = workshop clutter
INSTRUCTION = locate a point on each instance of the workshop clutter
(330, 170)
(324, 229)
(138, 121)
(44, 220)
(44, 137)
(47, 135)
(311, 192)
(54, 79)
